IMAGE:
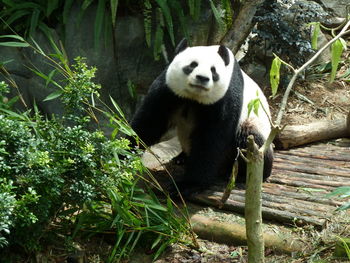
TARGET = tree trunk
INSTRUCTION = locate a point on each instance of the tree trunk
(253, 217)
(241, 26)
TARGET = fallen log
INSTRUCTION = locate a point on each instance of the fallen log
(296, 135)
(233, 233)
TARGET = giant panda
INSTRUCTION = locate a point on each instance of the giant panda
(204, 94)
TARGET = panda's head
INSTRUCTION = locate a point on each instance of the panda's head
(201, 73)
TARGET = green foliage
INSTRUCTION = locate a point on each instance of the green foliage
(275, 74)
(337, 50)
(56, 174)
(161, 17)
(315, 33)
(342, 192)
(254, 105)
(137, 217)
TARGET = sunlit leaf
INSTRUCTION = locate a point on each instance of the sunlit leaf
(14, 44)
(337, 50)
(53, 95)
(314, 37)
(275, 75)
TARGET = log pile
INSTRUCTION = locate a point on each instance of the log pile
(295, 193)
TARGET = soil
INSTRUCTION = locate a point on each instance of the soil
(315, 99)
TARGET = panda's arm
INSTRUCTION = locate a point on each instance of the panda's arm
(151, 120)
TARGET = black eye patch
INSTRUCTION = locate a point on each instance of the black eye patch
(188, 69)
(214, 73)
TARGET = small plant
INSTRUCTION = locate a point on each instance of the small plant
(343, 193)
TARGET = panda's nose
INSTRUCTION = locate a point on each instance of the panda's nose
(202, 79)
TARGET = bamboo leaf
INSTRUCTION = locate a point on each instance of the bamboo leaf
(147, 21)
(314, 37)
(168, 18)
(13, 36)
(275, 75)
(158, 40)
(217, 15)
(337, 50)
(53, 95)
(114, 7)
(116, 106)
(14, 44)
(67, 6)
(34, 21)
(86, 4)
(17, 15)
(51, 6)
(344, 207)
(100, 13)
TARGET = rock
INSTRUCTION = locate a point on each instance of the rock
(336, 7)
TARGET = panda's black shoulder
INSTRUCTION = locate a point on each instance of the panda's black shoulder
(234, 94)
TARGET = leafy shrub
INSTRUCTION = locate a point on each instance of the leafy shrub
(55, 171)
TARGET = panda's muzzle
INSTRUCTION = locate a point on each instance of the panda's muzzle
(201, 82)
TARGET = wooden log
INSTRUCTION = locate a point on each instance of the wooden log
(298, 194)
(287, 204)
(235, 234)
(297, 167)
(295, 135)
(281, 216)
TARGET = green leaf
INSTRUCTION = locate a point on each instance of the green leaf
(275, 75)
(17, 15)
(14, 44)
(344, 207)
(114, 7)
(158, 40)
(67, 6)
(254, 105)
(100, 13)
(13, 36)
(168, 18)
(51, 6)
(343, 191)
(217, 15)
(86, 4)
(53, 95)
(314, 36)
(337, 50)
(116, 106)
(34, 21)
(147, 21)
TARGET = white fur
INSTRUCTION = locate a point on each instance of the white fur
(250, 93)
(206, 57)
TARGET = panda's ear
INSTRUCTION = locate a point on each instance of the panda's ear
(223, 52)
(181, 46)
